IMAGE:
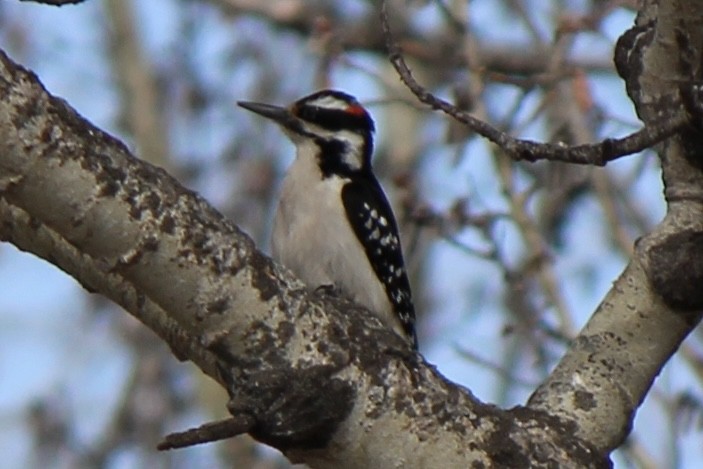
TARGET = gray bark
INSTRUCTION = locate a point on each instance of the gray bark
(316, 376)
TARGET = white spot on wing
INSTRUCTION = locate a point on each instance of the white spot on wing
(389, 239)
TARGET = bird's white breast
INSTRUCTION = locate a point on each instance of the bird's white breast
(313, 238)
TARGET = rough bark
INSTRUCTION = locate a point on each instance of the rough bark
(327, 390)
(313, 375)
(656, 302)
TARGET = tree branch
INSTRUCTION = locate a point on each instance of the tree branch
(657, 300)
(321, 379)
(598, 154)
(31, 235)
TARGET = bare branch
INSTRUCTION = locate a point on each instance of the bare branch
(323, 380)
(208, 433)
(312, 374)
(29, 234)
(598, 154)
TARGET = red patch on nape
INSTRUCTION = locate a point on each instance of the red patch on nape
(356, 110)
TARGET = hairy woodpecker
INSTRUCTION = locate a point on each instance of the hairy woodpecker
(334, 225)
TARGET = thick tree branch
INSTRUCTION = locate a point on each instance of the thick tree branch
(656, 302)
(319, 378)
(29, 234)
(607, 372)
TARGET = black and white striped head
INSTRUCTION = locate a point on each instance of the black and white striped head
(334, 121)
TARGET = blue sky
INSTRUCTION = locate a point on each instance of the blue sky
(50, 345)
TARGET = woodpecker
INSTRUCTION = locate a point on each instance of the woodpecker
(334, 225)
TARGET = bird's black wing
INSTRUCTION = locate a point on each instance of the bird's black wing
(373, 223)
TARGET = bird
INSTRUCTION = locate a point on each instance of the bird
(334, 226)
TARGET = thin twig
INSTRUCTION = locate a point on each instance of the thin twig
(207, 433)
(598, 154)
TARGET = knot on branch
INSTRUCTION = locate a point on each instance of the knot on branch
(676, 270)
(691, 90)
(297, 408)
(286, 408)
(692, 145)
(629, 52)
(692, 98)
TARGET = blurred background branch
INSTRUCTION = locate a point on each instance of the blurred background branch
(508, 259)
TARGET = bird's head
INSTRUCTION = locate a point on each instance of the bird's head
(334, 121)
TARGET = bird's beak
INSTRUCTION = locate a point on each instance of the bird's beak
(280, 115)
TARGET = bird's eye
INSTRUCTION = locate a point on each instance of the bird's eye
(308, 113)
